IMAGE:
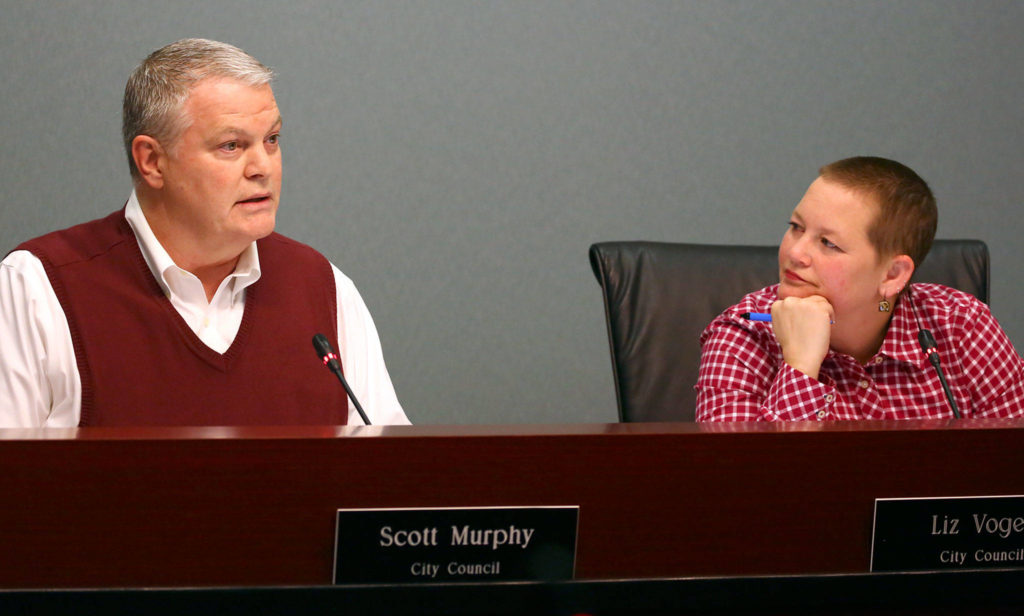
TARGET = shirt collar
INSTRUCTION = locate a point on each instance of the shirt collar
(247, 271)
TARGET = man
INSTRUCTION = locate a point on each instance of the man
(184, 307)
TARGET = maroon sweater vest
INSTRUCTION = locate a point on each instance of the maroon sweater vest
(141, 364)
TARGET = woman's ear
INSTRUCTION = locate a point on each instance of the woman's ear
(897, 277)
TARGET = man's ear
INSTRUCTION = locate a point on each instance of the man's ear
(149, 157)
(897, 277)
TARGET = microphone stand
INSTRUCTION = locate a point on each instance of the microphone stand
(326, 354)
(930, 348)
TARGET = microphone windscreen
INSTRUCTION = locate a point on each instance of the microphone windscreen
(322, 346)
(926, 339)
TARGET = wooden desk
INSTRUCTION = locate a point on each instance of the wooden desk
(150, 507)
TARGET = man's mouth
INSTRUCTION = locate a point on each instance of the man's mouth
(257, 199)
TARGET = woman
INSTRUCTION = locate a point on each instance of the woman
(842, 342)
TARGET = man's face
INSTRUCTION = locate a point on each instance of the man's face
(222, 177)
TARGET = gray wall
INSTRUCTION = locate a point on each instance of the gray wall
(456, 159)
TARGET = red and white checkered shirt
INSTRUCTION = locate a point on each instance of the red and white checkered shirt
(744, 378)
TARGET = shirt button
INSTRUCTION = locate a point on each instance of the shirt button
(863, 384)
(878, 359)
(828, 398)
(821, 414)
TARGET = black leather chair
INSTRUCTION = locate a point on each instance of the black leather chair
(658, 297)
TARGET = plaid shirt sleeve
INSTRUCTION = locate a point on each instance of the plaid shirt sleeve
(987, 365)
(742, 377)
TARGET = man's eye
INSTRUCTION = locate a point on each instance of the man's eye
(230, 146)
(274, 139)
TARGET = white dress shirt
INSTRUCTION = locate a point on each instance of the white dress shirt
(39, 381)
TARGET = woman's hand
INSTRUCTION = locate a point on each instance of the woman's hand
(803, 327)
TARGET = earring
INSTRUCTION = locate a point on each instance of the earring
(884, 306)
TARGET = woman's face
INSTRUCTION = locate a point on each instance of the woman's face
(826, 250)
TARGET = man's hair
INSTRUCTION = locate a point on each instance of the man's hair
(907, 216)
(156, 91)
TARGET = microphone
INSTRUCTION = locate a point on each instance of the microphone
(930, 348)
(326, 354)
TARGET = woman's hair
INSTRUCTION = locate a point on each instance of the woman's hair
(907, 216)
(157, 89)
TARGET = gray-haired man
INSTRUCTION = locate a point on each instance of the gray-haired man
(184, 307)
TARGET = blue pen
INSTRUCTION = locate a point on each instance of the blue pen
(763, 316)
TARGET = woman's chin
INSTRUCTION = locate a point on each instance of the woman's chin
(791, 290)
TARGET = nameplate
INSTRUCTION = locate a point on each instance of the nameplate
(387, 546)
(927, 534)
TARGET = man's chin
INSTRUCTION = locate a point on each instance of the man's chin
(252, 233)
(262, 226)
(262, 233)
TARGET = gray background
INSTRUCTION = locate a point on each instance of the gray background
(456, 159)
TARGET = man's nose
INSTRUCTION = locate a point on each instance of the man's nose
(257, 162)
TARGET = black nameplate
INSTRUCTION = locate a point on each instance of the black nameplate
(927, 534)
(462, 544)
